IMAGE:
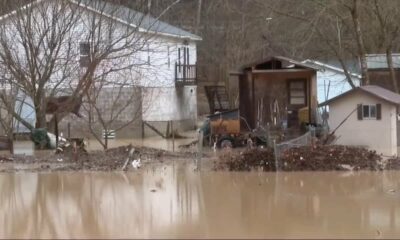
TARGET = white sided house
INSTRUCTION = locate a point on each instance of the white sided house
(161, 68)
(366, 116)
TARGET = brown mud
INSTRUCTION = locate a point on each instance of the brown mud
(109, 160)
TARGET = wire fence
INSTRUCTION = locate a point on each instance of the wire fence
(303, 140)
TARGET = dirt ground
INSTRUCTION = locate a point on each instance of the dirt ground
(316, 158)
(113, 159)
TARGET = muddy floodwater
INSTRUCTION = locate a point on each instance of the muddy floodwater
(177, 202)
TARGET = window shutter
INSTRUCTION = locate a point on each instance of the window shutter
(378, 111)
(359, 112)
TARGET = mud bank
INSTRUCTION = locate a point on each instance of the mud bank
(317, 158)
(109, 160)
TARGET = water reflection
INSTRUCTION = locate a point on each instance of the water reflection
(177, 202)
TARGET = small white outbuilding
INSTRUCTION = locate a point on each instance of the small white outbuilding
(366, 116)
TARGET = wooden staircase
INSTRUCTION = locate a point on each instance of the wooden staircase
(218, 98)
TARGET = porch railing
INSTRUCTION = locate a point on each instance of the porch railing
(185, 74)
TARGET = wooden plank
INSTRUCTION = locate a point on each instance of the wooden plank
(154, 129)
(110, 134)
(281, 70)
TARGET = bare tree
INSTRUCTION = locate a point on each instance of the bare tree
(113, 106)
(121, 108)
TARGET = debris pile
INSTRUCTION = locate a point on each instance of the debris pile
(393, 164)
(307, 158)
(250, 159)
(5, 159)
(328, 157)
(116, 158)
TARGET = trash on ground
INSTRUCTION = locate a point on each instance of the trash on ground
(305, 158)
(136, 163)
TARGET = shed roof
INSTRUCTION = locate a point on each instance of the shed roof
(373, 90)
(290, 63)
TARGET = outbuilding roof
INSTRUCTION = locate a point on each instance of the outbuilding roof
(290, 63)
(373, 90)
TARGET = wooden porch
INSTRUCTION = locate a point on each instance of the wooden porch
(185, 74)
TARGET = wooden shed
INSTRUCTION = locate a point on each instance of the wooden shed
(279, 91)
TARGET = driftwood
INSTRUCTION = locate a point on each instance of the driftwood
(192, 143)
(130, 156)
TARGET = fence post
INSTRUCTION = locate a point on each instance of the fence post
(69, 130)
(312, 130)
(268, 136)
(199, 149)
(312, 134)
(173, 136)
(276, 155)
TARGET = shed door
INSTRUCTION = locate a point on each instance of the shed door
(297, 99)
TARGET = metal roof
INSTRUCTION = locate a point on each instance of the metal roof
(145, 22)
(352, 65)
(324, 66)
(373, 90)
(132, 17)
(379, 61)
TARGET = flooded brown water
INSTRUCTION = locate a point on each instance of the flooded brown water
(177, 202)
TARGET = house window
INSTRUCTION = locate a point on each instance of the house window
(369, 111)
(84, 51)
(297, 92)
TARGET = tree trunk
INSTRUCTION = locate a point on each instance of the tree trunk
(40, 109)
(360, 43)
(40, 117)
(392, 72)
(346, 73)
(105, 145)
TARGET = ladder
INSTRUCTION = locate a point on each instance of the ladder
(218, 98)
